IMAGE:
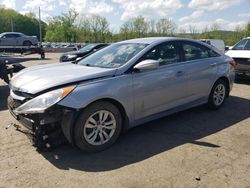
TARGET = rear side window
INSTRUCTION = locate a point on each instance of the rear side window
(194, 51)
(213, 53)
(16, 35)
(166, 53)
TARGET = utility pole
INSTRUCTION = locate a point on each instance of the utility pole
(40, 26)
(12, 26)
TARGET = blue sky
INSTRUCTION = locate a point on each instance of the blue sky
(227, 14)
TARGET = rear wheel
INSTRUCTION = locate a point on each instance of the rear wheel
(98, 127)
(217, 95)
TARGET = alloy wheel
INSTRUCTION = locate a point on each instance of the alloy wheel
(219, 94)
(99, 127)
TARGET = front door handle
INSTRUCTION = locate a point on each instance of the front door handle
(180, 73)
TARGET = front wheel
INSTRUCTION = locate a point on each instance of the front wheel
(98, 127)
(217, 95)
(27, 43)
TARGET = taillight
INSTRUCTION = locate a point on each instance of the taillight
(233, 63)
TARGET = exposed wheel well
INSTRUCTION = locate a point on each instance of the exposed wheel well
(27, 42)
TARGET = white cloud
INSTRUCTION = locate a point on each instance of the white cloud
(212, 4)
(193, 16)
(147, 8)
(51, 8)
(91, 7)
(221, 23)
(9, 4)
(244, 14)
(47, 7)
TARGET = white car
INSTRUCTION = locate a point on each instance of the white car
(241, 55)
(17, 39)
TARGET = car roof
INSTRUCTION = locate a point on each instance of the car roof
(11, 33)
(148, 40)
(151, 40)
(157, 40)
(96, 44)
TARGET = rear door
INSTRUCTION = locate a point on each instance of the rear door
(201, 66)
(161, 89)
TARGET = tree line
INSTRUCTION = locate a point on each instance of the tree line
(73, 27)
(10, 20)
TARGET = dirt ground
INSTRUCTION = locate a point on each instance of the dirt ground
(194, 148)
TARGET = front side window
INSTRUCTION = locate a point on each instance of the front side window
(16, 35)
(247, 46)
(7, 36)
(242, 45)
(114, 55)
(194, 51)
(165, 53)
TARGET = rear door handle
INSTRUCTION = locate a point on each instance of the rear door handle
(213, 64)
(180, 73)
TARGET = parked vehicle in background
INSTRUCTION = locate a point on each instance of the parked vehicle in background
(219, 44)
(241, 55)
(121, 86)
(86, 50)
(17, 39)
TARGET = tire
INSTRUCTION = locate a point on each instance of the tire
(42, 55)
(88, 128)
(218, 95)
(27, 43)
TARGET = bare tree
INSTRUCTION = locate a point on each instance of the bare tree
(126, 29)
(215, 27)
(165, 27)
(193, 31)
(238, 32)
(140, 26)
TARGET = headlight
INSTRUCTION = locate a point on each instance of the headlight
(71, 56)
(44, 101)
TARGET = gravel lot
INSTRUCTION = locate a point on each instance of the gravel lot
(194, 148)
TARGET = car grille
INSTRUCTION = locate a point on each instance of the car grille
(14, 101)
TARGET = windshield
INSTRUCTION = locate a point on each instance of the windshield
(242, 45)
(88, 47)
(113, 56)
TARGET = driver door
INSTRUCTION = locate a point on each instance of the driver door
(7, 40)
(158, 90)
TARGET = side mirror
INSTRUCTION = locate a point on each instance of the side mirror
(148, 64)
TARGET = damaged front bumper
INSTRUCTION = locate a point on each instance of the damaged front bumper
(49, 129)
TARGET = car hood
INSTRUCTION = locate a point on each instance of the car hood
(39, 78)
(238, 53)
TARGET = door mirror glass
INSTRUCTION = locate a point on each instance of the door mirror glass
(148, 64)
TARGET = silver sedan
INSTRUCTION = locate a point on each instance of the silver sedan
(17, 39)
(121, 86)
